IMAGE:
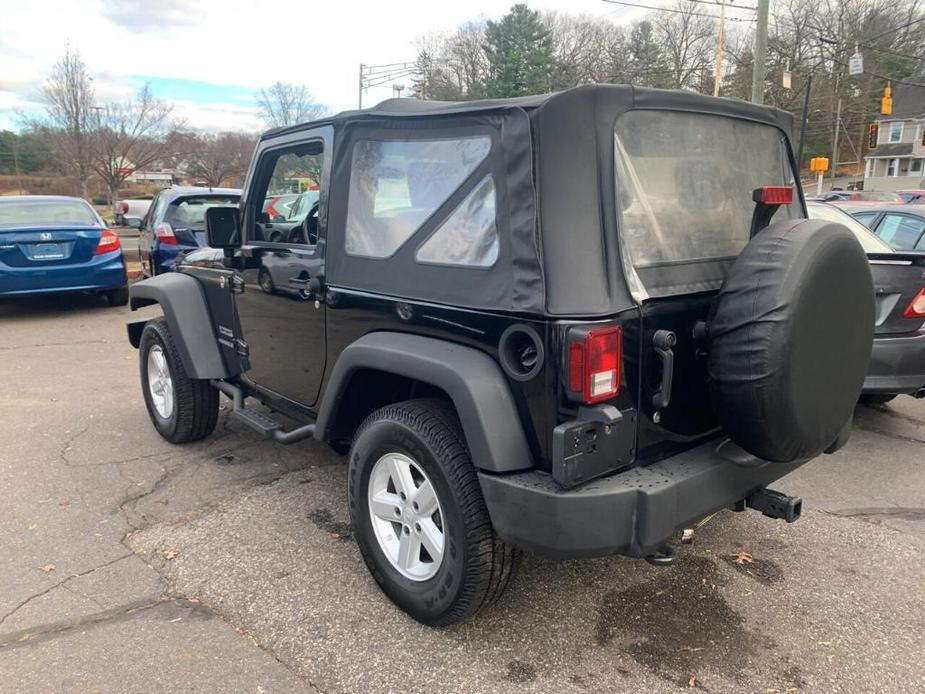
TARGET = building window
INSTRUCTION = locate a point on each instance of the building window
(915, 167)
(896, 131)
(891, 167)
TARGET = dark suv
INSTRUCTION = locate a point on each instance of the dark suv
(576, 324)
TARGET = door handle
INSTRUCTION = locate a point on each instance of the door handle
(663, 341)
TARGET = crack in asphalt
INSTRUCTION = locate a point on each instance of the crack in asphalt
(889, 434)
(69, 343)
(60, 584)
(28, 637)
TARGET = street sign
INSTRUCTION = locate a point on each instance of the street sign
(856, 64)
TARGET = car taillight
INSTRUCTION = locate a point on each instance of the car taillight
(916, 308)
(109, 241)
(594, 362)
(164, 234)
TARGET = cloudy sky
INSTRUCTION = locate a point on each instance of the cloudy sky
(209, 57)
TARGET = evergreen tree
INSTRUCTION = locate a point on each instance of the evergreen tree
(520, 53)
(649, 67)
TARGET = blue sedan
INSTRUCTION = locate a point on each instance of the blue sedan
(56, 244)
(175, 225)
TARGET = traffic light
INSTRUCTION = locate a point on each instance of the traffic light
(886, 103)
(873, 131)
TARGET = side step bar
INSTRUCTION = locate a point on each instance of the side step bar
(260, 421)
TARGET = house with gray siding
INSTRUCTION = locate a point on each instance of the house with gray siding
(898, 160)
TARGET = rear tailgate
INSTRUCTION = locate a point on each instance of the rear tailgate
(898, 279)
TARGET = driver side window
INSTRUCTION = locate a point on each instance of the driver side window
(287, 212)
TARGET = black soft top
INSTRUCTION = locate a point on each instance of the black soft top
(555, 152)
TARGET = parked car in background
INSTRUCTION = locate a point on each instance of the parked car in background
(897, 362)
(914, 196)
(52, 244)
(131, 208)
(875, 196)
(901, 226)
(277, 206)
(175, 223)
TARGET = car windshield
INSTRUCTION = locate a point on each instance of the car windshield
(190, 213)
(868, 239)
(872, 196)
(684, 185)
(16, 213)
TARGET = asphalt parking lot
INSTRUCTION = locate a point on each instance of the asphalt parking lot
(131, 565)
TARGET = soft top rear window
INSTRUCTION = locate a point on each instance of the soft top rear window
(684, 187)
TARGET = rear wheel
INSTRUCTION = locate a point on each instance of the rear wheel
(419, 516)
(182, 409)
(117, 297)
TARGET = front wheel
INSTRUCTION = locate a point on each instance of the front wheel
(182, 409)
(419, 516)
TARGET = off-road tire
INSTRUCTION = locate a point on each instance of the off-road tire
(195, 410)
(477, 566)
(117, 297)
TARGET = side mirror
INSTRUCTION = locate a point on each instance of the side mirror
(223, 227)
(132, 222)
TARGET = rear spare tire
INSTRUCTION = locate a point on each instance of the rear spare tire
(790, 335)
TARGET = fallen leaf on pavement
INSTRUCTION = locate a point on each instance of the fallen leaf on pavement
(48, 568)
(692, 682)
(280, 574)
(171, 554)
(741, 557)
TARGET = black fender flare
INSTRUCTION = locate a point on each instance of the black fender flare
(472, 380)
(184, 305)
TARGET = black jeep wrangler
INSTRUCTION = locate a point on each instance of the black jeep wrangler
(576, 324)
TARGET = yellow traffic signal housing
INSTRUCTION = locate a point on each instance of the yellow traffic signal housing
(819, 164)
(886, 103)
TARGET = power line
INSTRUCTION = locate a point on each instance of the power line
(729, 5)
(671, 9)
(894, 29)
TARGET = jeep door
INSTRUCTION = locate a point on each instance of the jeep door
(281, 319)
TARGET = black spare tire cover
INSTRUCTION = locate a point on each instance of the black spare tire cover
(790, 333)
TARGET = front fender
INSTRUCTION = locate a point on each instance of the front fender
(472, 380)
(184, 305)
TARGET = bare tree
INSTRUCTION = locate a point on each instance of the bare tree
(131, 135)
(452, 67)
(222, 158)
(68, 95)
(686, 37)
(284, 104)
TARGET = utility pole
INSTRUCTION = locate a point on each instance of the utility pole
(803, 120)
(835, 139)
(360, 93)
(720, 40)
(760, 67)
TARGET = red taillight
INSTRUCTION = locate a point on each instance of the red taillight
(109, 241)
(164, 234)
(776, 195)
(916, 308)
(594, 364)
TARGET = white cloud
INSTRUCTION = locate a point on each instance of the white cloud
(233, 42)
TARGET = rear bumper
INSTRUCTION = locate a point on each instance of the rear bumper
(633, 512)
(101, 273)
(897, 365)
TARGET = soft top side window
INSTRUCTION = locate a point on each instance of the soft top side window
(397, 185)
